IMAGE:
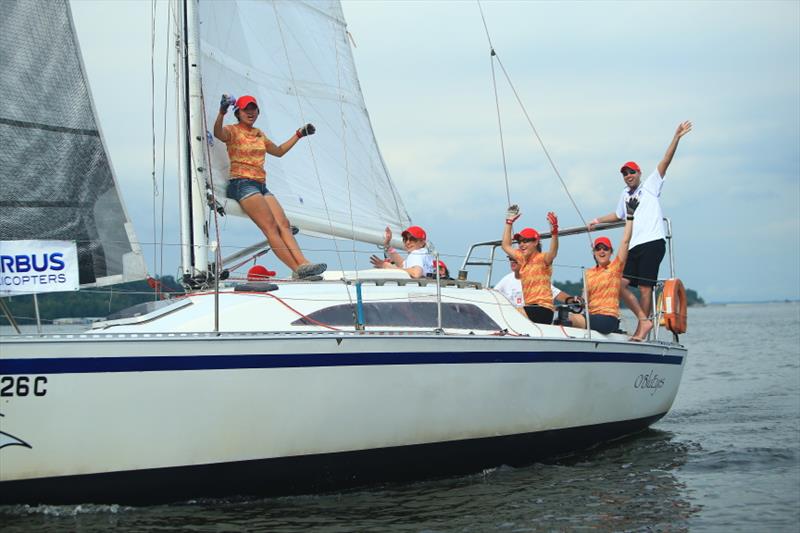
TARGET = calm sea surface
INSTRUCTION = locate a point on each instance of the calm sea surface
(726, 458)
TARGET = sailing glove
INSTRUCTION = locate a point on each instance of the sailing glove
(225, 102)
(553, 220)
(308, 129)
(631, 206)
(512, 213)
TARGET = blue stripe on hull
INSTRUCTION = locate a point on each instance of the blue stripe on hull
(159, 363)
(313, 473)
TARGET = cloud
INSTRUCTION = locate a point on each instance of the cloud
(604, 82)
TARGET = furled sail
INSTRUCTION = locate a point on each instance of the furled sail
(56, 182)
(295, 58)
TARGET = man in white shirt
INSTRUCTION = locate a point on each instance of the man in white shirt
(510, 286)
(647, 245)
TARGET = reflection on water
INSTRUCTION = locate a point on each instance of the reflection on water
(626, 485)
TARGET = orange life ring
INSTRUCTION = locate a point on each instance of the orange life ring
(673, 305)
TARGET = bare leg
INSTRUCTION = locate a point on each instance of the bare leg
(578, 321)
(285, 230)
(646, 298)
(644, 325)
(260, 213)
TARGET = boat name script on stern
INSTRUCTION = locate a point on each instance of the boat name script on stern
(650, 381)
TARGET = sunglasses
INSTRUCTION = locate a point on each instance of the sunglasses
(628, 172)
(527, 240)
(601, 247)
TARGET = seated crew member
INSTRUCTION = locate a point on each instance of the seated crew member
(418, 263)
(510, 286)
(247, 148)
(604, 282)
(444, 273)
(536, 267)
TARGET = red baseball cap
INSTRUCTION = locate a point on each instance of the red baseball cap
(631, 165)
(437, 264)
(259, 273)
(527, 233)
(603, 240)
(416, 232)
(244, 101)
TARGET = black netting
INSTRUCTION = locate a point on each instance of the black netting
(55, 176)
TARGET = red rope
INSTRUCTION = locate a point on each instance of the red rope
(289, 307)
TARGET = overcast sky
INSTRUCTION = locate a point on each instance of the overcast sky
(605, 82)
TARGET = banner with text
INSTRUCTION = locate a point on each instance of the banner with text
(28, 267)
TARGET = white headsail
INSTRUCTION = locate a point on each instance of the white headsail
(55, 176)
(295, 58)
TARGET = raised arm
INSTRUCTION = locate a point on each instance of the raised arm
(391, 253)
(552, 251)
(511, 215)
(622, 253)
(219, 131)
(278, 151)
(683, 129)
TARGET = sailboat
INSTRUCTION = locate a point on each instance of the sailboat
(293, 386)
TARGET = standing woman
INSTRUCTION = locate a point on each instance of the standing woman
(536, 267)
(247, 149)
(604, 281)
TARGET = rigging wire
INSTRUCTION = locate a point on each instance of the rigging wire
(210, 185)
(168, 47)
(158, 225)
(497, 105)
(495, 56)
(153, 125)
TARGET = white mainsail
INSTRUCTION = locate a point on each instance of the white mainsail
(55, 175)
(295, 58)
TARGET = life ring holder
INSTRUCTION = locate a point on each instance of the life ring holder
(673, 305)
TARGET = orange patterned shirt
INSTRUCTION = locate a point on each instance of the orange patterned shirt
(535, 274)
(247, 150)
(602, 284)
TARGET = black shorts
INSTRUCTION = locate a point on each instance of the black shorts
(539, 314)
(604, 323)
(641, 268)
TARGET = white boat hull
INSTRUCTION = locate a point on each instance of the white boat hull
(175, 417)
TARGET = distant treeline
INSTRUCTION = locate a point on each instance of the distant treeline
(103, 301)
(576, 288)
(95, 302)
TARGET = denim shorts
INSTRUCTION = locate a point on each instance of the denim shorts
(241, 188)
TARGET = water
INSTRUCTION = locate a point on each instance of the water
(726, 458)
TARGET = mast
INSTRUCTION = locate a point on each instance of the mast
(192, 150)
